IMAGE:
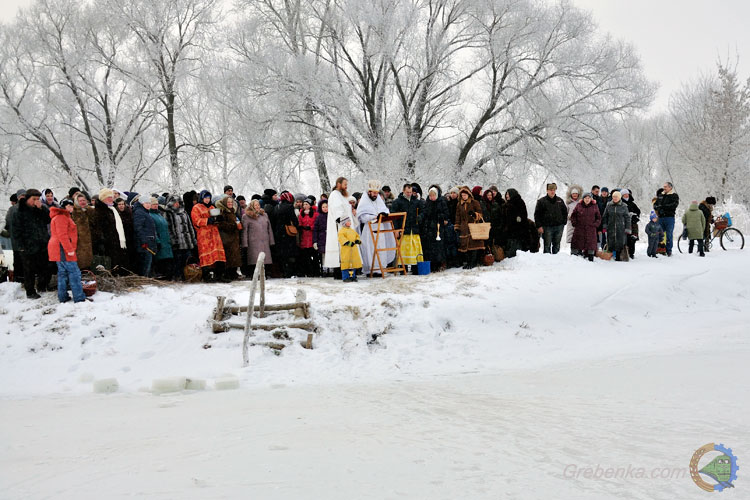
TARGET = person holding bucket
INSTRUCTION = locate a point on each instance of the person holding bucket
(349, 242)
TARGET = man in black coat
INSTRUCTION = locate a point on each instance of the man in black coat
(666, 207)
(29, 232)
(550, 216)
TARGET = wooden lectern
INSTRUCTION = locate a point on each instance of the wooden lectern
(376, 229)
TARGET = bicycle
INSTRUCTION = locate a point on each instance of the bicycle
(730, 237)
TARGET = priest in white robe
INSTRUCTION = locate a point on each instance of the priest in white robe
(370, 206)
(338, 209)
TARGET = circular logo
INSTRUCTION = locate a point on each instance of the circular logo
(722, 469)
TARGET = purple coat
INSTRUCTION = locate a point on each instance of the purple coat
(585, 219)
(320, 229)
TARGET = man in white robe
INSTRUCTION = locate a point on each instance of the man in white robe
(370, 206)
(338, 208)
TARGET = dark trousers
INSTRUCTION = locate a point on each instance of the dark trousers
(179, 262)
(17, 267)
(653, 245)
(552, 236)
(692, 244)
(35, 268)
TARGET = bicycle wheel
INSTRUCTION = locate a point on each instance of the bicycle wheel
(732, 239)
(681, 242)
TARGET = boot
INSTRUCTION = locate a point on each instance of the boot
(591, 257)
(206, 274)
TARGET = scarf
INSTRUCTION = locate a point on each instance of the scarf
(120, 228)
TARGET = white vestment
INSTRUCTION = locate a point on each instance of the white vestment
(368, 210)
(338, 207)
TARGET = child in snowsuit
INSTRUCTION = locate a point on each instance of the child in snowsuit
(655, 235)
(348, 239)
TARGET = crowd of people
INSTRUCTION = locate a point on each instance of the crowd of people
(301, 235)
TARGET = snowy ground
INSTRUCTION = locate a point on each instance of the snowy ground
(494, 383)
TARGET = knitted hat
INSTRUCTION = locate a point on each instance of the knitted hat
(604, 190)
(653, 215)
(287, 197)
(20, 193)
(309, 201)
(433, 189)
(106, 193)
(300, 197)
(205, 193)
(154, 201)
(455, 190)
(575, 191)
(476, 192)
(227, 188)
(625, 191)
(589, 195)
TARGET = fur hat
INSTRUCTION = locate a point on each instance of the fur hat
(552, 185)
(106, 193)
(373, 185)
(73, 191)
(270, 192)
(710, 200)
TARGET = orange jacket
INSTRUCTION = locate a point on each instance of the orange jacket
(64, 233)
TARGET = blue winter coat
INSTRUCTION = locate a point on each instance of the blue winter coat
(145, 228)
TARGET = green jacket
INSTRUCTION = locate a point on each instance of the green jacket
(695, 222)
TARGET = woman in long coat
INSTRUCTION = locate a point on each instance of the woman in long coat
(468, 211)
(164, 258)
(286, 245)
(229, 230)
(585, 220)
(572, 197)
(257, 234)
(616, 223)
(514, 230)
(433, 225)
(210, 248)
(82, 215)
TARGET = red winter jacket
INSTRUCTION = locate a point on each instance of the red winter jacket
(64, 233)
(306, 223)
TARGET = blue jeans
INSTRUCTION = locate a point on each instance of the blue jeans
(667, 223)
(68, 274)
(145, 258)
(552, 236)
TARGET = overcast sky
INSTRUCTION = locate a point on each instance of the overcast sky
(676, 38)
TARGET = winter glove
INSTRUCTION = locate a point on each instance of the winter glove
(211, 220)
(315, 246)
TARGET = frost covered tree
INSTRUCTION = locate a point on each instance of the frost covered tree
(709, 131)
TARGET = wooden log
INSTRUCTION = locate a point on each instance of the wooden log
(308, 343)
(251, 303)
(225, 326)
(219, 311)
(269, 307)
(301, 298)
(262, 308)
(277, 346)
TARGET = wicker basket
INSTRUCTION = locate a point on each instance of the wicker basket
(88, 282)
(721, 223)
(192, 271)
(480, 230)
